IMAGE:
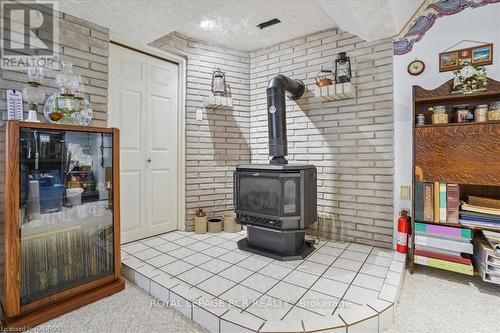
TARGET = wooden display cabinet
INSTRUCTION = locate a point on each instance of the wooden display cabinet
(467, 153)
(61, 226)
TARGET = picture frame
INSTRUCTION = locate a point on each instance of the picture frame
(448, 61)
(482, 55)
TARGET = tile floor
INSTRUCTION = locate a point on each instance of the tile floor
(341, 287)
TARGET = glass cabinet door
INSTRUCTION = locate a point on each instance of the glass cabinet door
(66, 215)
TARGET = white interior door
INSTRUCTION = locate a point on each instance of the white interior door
(143, 103)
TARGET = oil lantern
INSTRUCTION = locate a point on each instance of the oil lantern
(219, 83)
(342, 68)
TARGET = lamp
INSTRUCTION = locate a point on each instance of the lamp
(219, 83)
(33, 94)
(342, 68)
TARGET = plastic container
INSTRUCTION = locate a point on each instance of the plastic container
(230, 224)
(74, 196)
(51, 198)
(214, 225)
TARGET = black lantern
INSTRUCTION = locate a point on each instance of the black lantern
(342, 68)
(219, 83)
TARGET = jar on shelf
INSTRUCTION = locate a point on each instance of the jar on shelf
(420, 119)
(460, 113)
(481, 113)
(439, 115)
(494, 113)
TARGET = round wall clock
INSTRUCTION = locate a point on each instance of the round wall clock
(416, 67)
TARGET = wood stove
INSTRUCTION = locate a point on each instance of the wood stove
(277, 201)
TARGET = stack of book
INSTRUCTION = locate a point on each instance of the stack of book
(448, 248)
(487, 256)
(481, 212)
(436, 202)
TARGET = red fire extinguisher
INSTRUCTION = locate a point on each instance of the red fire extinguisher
(403, 231)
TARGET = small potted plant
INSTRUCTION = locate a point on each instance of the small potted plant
(200, 222)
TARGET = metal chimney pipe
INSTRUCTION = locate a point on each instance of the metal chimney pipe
(276, 114)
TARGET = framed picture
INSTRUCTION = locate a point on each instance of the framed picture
(448, 61)
(482, 55)
(479, 55)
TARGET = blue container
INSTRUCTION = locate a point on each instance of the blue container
(51, 198)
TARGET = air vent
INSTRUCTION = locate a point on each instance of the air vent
(268, 23)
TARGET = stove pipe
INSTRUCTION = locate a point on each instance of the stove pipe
(276, 115)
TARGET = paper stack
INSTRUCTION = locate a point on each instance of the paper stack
(486, 259)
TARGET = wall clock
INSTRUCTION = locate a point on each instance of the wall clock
(416, 67)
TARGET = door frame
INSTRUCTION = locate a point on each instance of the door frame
(181, 61)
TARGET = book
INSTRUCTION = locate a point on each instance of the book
(419, 201)
(452, 203)
(480, 209)
(442, 230)
(447, 244)
(428, 202)
(443, 264)
(435, 255)
(493, 238)
(482, 224)
(483, 202)
(473, 216)
(437, 250)
(436, 202)
(442, 203)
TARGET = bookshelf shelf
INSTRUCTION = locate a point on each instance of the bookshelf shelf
(465, 154)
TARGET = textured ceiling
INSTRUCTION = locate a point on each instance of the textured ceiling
(233, 22)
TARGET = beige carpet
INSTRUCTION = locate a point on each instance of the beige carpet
(430, 301)
(434, 300)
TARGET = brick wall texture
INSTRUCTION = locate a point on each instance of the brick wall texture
(86, 45)
(349, 141)
(215, 145)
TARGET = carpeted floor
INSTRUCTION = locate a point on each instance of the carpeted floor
(431, 301)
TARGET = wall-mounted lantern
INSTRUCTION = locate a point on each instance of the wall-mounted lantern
(219, 83)
(342, 68)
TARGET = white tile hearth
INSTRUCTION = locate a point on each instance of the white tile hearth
(341, 287)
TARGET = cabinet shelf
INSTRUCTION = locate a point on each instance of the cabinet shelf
(457, 124)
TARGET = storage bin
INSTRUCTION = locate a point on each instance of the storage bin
(51, 198)
(230, 224)
(215, 225)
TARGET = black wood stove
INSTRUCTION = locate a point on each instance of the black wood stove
(277, 201)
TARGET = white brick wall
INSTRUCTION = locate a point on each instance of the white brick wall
(349, 141)
(215, 145)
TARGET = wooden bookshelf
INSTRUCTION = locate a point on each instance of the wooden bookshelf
(467, 154)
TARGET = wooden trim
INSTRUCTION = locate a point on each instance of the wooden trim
(64, 306)
(116, 201)
(26, 124)
(141, 51)
(443, 93)
(12, 306)
(66, 293)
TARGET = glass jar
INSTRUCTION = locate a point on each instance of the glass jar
(494, 113)
(460, 113)
(420, 119)
(439, 115)
(480, 113)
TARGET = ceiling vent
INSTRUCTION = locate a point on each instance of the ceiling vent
(268, 23)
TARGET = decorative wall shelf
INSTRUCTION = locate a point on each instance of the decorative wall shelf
(218, 102)
(336, 92)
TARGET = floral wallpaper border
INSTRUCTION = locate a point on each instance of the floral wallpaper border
(428, 16)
